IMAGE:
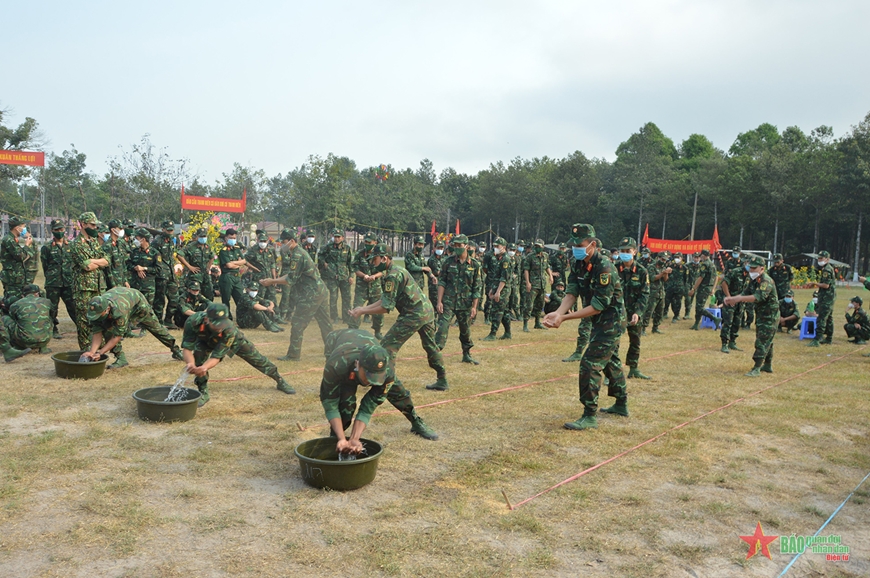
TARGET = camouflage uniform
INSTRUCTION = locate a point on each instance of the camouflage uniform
(31, 263)
(462, 288)
(310, 248)
(264, 260)
(190, 302)
(199, 255)
(311, 300)
(86, 284)
(334, 263)
(787, 309)
(537, 266)
(151, 260)
(516, 277)
(691, 275)
(435, 262)
(782, 275)
(736, 279)
(117, 252)
(13, 257)
(857, 316)
(57, 265)
(635, 283)
(366, 291)
(825, 306)
(414, 263)
(231, 284)
(656, 305)
(500, 273)
(288, 301)
(767, 316)
(166, 287)
(675, 287)
(249, 318)
(28, 323)
(560, 265)
(707, 274)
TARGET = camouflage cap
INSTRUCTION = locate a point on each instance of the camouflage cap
(30, 289)
(57, 224)
(678, 254)
(129, 223)
(419, 239)
(259, 232)
(374, 360)
(459, 239)
(559, 282)
(193, 285)
(705, 252)
(777, 257)
(439, 244)
(201, 232)
(824, 255)
(521, 243)
(736, 249)
(370, 237)
(512, 246)
(471, 245)
(563, 246)
(262, 237)
(167, 225)
(97, 307)
(102, 228)
(337, 232)
(539, 243)
(663, 255)
(627, 243)
(789, 293)
(854, 299)
(15, 221)
(114, 224)
(756, 261)
(230, 231)
(499, 241)
(143, 232)
(288, 235)
(88, 217)
(309, 233)
(381, 250)
(581, 232)
(218, 315)
(481, 244)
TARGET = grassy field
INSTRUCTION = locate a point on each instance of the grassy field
(87, 489)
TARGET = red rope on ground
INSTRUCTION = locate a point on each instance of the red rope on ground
(664, 433)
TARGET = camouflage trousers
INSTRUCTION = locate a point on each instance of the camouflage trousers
(749, 313)
(55, 295)
(148, 322)
(82, 298)
(633, 355)
(19, 337)
(166, 292)
(516, 301)
(534, 305)
(245, 350)
(498, 311)
(655, 308)
(433, 293)
(852, 332)
(402, 330)
(397, 395)
(601, 359)
(287, 305)
(731, 316)
(674, 299)
(825, 320)
(251, 319)
(463, 318)
(702, 296)
(367, 293)
(231, 288)
(689, 299)
(315, 307)
(584, 331)
(764, 334)
(337, 287)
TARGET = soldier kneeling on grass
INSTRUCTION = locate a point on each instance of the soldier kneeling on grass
(354, 358)
(28, 320)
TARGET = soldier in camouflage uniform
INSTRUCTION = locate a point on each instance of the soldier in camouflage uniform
(658, 276)
(166, 286)
(253, 311)
(536, 277)
(416, 264)
(522, 294)
(675, 287)
(309, 246)
(28, 323)
(434, 262)
(516, 276)
(189, 302)
(353, 359)
(760, 290)
(560, 265)
(209, 336)
(117, 253)
(635, 286)
(827, 286)
(701, 290)
(262, 257)
(416, 314)
(733, 283)
(231, 259)
(782, 274)
(691, 275)
(57, 266)
(368, 284)
(287, 305)
(459, 289)
(310, 294)
(857, 325)
(110, 314)
(198, 258)
(499, 279)
(554, 299)
(335, 262)
(31, 263)
(144, 265)
(789, 317)
(596, 282)
(13, 257)
(88, 261)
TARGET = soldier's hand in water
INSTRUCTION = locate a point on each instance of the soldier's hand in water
(356, 446)
(553, 320)
(634, 319)
(343, 447)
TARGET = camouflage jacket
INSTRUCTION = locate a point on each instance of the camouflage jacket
(126, 307)
(435, 262)
(826, 275)
(560, 264)
(198, 335)
(414, 263)
(117, 254)
(163, 245)
(736, 279)
(197, 255)
(635, 286)
(187, 302)
(402, 293)
(32, 315)
(31, 264)
(707, 273)
(151, 260)
(501, 271)
(12, 257)
(303, 278)
(766, 300)
(311, 250)
(537, 265)
(83, 249)
(655, 269)
(858, 316)
(334, 261)
(782, 276)
(262, 259)
(678, 277)
(597, 283)
(57, 264)
(461, 281)
(788, 309)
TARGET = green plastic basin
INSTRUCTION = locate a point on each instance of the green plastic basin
(67, 366)
(151, 406)
(320, 468)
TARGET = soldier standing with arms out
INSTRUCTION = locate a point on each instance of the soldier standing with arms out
(88, 261)
(827, 286)
(595, 281)
(311, 297)
(536, 276)
(57, 266)
(335, 262)
(231, 259)
(262, 258)
(675, 288)
(658, 272)
(13, 257)
(28, 323)
(857, 323)
(416, 314)
(166, 287)
(415, 264)
(762, 291)
(459, 289)
(368, 284)
(733, 282)
(499, 290)
(701, 290)
(435, 261)
(198, 258)
(781, 274)
(635, 286)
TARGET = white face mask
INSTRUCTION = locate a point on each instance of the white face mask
(137, 243)
(262, 244)
(823, 262)
(482, 249)
(678, 260)
(754, 275)
(815, 299)
(511, 253)
(120, 233)
(253, 294)
(496, 251)
(439, 251)
(310, 240)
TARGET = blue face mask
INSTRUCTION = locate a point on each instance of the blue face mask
(106, 237)
(625, 257)
(579, 253)
(746, 267)
(521, 249)
(174, 241)
(231, 242)
(24, 231)
(788, 299)
(202, 240)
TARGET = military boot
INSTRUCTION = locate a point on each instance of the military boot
(419, 427)
(733, 346)
(439, 385)
(675, 319)
(618, 408)
(826, 341)
(576, 356)
(656, 330)
(284, 386)
(813, 343)
(490, 337)
(203, 395)
(466, 358)
(538, 324)
(44, 349)
(585, 422)
(56, 334)
(695, 327)
(636, 373)
(526, 326)
(766, 368)
(11, 354)
(754, 372)
(177, 354)
(860, 342)
(120, 361)
(290, 356)
(506, 335)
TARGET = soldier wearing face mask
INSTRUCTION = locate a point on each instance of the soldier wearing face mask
(144, 265)
(14, 252)
(788, 312)
(701, 290)
(760, 290)
(416, 264)
(434, 262)
(309, 246)
(658, 277)
(675, 287)
(198, 258)
(691, 275)
(57, 265)
(116, 250)
(231, 259)
(88, 260)
(827, 286)
(536, 276)
(253, 310)
(262, 258)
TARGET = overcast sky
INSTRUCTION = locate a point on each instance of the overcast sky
(464, 84)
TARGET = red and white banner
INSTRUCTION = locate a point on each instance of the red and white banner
(685, 247)
(193, 203)
(30, 159)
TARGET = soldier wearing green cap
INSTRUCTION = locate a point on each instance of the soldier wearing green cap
(310, 296)
(559, 263)
(253, 310)
(635, 287)
(789, 315)
(166, 286)
(28, 323)
(57, 266)
(145, 265)
(857, 323)
(88, 260)
(287, 304)
(827, 286)
(14, 254)
(368, 283)
(536, 276)
(231, 259)
(499, 280)
(760, 290)
(596, 282)
(198, 258)
(554, 299)
(335, 262)
(416, 264)
(733, 283)
(675, 286)
(782, 274)
(416, 314)
(355, 359)
(190, 302)
(434, 262)
(211, 335)
(110, 314)
(459, 289)
(262, 257)
(308, 244)
(701, 290)
(117, 252)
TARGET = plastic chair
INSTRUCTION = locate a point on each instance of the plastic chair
(808, 328)
(709, 322)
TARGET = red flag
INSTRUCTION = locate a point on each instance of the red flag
(645, 240)
(716, 244)
(182, 190)
(457, 226)
(433, 231)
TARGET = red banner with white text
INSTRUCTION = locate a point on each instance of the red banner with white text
(193, 203)
(685, 247)
(26, 158)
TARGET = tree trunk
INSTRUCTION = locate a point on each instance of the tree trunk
(857, 246)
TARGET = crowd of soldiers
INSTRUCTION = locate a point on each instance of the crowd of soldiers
(119, 280)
